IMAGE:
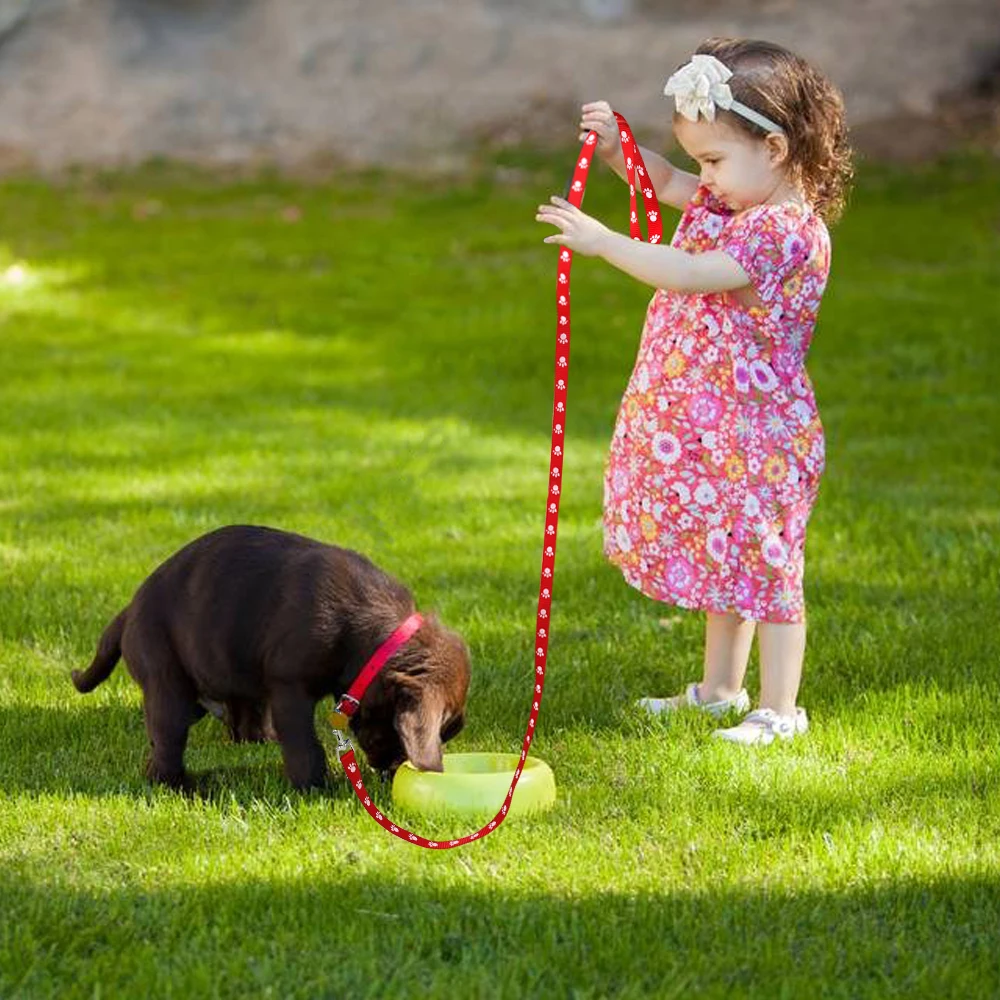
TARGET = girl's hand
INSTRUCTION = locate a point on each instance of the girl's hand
(598, 117)
(578, 231)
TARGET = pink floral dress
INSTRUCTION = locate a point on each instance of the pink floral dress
(718, 448)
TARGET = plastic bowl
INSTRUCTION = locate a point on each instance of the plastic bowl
(475, 783)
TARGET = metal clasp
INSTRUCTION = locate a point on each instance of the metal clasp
(343, 742)
(339, 720)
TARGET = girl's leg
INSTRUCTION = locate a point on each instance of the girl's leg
(727, 648)
(782, 648)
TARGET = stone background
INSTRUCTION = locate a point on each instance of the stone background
(422, 83)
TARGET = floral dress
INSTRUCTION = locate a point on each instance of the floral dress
(718, 448)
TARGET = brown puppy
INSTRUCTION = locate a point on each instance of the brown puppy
(263, 624)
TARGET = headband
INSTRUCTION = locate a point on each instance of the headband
(700, 86)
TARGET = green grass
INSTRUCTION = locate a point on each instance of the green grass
(179, 352)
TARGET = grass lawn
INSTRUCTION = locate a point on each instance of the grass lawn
(369, 362)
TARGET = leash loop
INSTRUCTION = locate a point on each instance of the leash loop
(638, 179)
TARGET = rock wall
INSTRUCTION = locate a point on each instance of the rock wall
(420, 82)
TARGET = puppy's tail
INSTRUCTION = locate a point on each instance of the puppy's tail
(109, 651)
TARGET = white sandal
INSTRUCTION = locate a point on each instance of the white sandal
(690, 699)
(764, 726)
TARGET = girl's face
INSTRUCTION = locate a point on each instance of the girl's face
(737, 168)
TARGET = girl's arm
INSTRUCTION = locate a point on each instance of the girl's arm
(673, 186)
(652, 263)
(664, 266)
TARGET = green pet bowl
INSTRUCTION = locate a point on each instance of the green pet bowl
(475, 783)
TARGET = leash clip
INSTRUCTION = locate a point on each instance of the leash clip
(343, 741)
(339, 720)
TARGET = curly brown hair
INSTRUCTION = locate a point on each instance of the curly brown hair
(794, 95)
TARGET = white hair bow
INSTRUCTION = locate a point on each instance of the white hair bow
(700, 86)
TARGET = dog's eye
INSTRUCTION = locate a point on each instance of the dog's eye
(452, 729)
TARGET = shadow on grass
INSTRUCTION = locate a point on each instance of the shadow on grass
(617, 772)
(367, 934)
(100, 750)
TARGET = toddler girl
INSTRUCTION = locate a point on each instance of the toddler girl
(717, 452)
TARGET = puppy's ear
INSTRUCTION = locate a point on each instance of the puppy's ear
(419, 726)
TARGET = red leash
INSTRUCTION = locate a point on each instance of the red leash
(348, 703)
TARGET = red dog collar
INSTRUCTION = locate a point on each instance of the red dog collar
(348, 703)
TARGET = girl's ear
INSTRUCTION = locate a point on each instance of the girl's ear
(777, 148)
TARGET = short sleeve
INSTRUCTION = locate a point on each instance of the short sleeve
(768, 243)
